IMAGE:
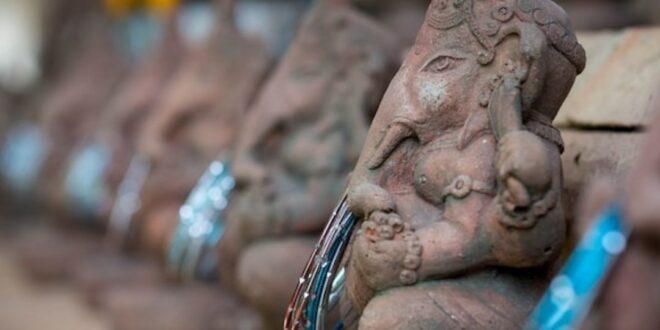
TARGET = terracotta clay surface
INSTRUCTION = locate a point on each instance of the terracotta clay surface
(209, 93)
(458, 185)
(49, 254)
(64, 28)
(29, 305)
(298, 144)
(71, 109)
(195, 121)
(98, 274)
(132, 103)
(195, 307)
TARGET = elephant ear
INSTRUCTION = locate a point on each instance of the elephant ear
(521, 78)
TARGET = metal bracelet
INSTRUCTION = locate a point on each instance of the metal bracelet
(85, 184)
(200, 222)
(127, 202)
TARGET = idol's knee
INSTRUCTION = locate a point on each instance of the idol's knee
(403, 308)
(268, 273)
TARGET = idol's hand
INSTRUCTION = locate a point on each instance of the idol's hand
(365, 199)
(524, 170)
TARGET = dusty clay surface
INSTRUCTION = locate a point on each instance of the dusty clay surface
(196, 121)
(25, 305)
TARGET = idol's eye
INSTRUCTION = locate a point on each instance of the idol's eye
(440, 64)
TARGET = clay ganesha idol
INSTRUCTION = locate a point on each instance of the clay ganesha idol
(457, 189)
(300, 140)
(197, 120)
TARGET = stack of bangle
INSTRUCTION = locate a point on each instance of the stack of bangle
(322, 278)
(127, 202)
(200, 224)
(22, 157)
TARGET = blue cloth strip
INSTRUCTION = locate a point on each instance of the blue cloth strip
(572, 292)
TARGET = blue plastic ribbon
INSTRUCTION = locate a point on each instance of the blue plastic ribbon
(572, 292)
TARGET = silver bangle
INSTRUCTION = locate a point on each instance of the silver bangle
(200, 222)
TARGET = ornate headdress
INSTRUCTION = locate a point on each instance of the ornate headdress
(488, 21)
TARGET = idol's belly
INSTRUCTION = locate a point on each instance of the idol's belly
(442, 171)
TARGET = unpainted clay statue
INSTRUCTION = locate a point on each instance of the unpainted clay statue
(210, 85)
(299, 142)
(63, 24)
(459, 182)
(136, 98)
(67, 108)
(196, 120)
(64, 27)
(71, 110)
(191, 307)
(58, 252)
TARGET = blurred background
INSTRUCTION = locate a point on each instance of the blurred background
(113, 109)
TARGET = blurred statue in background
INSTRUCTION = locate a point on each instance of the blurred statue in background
(459, 182)
(44, 42)
(70, 112)
(190, 81)
(181, 111)
(298, 144)
(80, 48)
(136, 98)
(197, 120)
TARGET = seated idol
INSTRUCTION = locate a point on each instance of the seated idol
(196, 120)
(299, 142)
(70, 111)
(458, 185)
(136, 98)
